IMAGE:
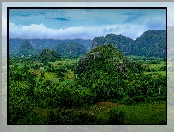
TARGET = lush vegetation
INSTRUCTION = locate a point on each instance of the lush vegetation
(48, 55)
(151, 43)
(123, 43)
(71, 50)
(102, 87)
(27, 49)
(118, 81)
(40, 44)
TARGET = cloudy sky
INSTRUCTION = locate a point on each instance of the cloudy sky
(83, 23)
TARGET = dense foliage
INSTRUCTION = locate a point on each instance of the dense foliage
(71, 50)
(55, 95)
(40, 44)
(151, 43)
(123, 43)
(63, 85)
(48, 55)
(27, 48)
(109, 75)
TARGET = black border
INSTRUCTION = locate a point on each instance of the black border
(8, 66)
(8, 8)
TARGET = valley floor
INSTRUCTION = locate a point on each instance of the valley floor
(38, 108)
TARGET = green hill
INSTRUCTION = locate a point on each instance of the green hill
(48, 55)
(123, 43)
(110, 75)
(151, 43)
(104, 69)
(71, 50)
(27, 48)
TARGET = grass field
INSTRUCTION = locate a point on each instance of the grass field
(163, 73)
(139, 114)
(156, 66)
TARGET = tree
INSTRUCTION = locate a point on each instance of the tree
(48, 55)
(104, 69)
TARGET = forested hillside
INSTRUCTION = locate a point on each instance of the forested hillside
(69, 84)
(48, 55)
(40, 44)
(27, 48)
(151, 43)
(123, 43)
(102, 87)
(71, 50)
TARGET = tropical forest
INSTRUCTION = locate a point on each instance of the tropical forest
(110, 80)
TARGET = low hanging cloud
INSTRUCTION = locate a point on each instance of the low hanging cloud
(42, 32)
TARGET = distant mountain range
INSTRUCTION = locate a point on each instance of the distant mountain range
(151, 43)
(40, 44)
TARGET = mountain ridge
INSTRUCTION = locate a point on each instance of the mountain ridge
(151, 43)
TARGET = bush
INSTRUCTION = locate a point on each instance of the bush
(116, 117)
(70, 117)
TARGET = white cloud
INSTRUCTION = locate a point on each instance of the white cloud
(47, 32)
(43, 32)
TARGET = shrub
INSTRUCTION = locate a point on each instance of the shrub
(116, 117)
(70, 117)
